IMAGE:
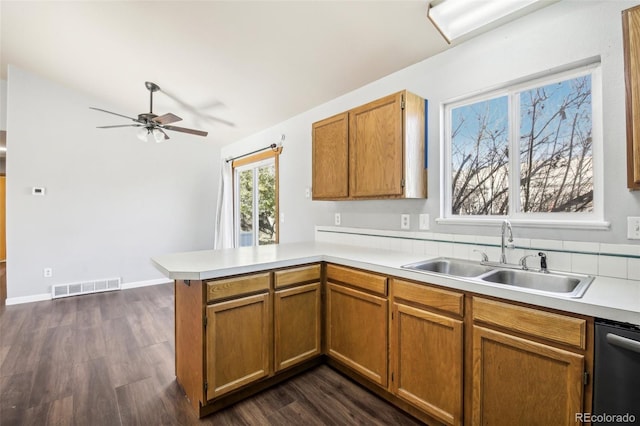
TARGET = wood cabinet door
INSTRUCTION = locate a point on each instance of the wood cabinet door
(238, 343)
(376, 148)
(521, 382)
(357, 331)
(427, 362)
(297, 325)
(631, 29)
(330, 157)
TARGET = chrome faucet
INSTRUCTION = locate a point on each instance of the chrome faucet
(523, 261)
(506, 226)
(543, 262)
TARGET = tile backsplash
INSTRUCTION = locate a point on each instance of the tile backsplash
(591, 258)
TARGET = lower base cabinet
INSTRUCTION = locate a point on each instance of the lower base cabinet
(530, 367)
(445, 356)
(238, 335)
(357, 322)
(357, 331)
(521, 382)
(427, 348)
(428, 354)
(238, 343)
(297, 316)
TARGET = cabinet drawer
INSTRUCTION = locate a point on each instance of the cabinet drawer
(444, 300)
(297, 275)
(223, 289)
(364, 280)
(547, 325)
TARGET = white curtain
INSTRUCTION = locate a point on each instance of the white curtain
(224, 212)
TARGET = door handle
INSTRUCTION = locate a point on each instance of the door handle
(623, 342)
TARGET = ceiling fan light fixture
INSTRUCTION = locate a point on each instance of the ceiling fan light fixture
(158, 135)
(142, 134)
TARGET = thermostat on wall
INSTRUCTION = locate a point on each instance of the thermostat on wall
(37, 190)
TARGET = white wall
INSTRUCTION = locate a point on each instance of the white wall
(112, 202)
(3, 104)
(561, 34)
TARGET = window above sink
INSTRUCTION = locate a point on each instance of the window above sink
(529, 151)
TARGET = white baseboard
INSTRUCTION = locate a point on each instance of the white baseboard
(47, 296)
(28, 299)
(136, 284)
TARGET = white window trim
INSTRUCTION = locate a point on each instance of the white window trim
(590, 220)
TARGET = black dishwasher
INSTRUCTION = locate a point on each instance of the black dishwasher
(616, 381)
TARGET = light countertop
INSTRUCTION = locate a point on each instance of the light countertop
(610, 298)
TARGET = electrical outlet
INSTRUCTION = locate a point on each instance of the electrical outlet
(337, 219)
(424, 221)
(633, 228)
(47, 272)
(405, 221)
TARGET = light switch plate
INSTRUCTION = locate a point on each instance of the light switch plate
(633, 228)
(424, 221)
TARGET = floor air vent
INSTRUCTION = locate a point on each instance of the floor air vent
(85, 287)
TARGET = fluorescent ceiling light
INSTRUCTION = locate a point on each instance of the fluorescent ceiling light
(454, 18)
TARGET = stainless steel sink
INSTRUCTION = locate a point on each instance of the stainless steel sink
(568, 284)
(561, 284)
(447, 266)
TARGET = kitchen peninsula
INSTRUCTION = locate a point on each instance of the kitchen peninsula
(250, 317)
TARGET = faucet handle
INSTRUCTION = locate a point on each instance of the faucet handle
(485, 258)
(523, 261)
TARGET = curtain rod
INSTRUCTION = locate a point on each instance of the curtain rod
(272, 147)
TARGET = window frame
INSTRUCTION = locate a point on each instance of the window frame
(254, 162)
(512, 90)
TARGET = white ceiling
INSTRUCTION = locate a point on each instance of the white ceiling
(252, 63)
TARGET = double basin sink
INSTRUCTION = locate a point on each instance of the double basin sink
(559, 284)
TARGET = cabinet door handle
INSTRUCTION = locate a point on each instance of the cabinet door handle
(623, 342)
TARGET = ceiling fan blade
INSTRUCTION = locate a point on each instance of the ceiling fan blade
(219, 120)
(196, 111)
(114, 113)
(119, 125)
(185, 130)
(167, 118)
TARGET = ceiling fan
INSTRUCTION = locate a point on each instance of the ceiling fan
(150, 123)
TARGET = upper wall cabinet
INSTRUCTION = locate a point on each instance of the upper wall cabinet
(631, 31)
(372, 151)
(330, 163)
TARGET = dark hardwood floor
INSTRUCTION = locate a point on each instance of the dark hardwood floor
(108, 359)
(3, 282)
